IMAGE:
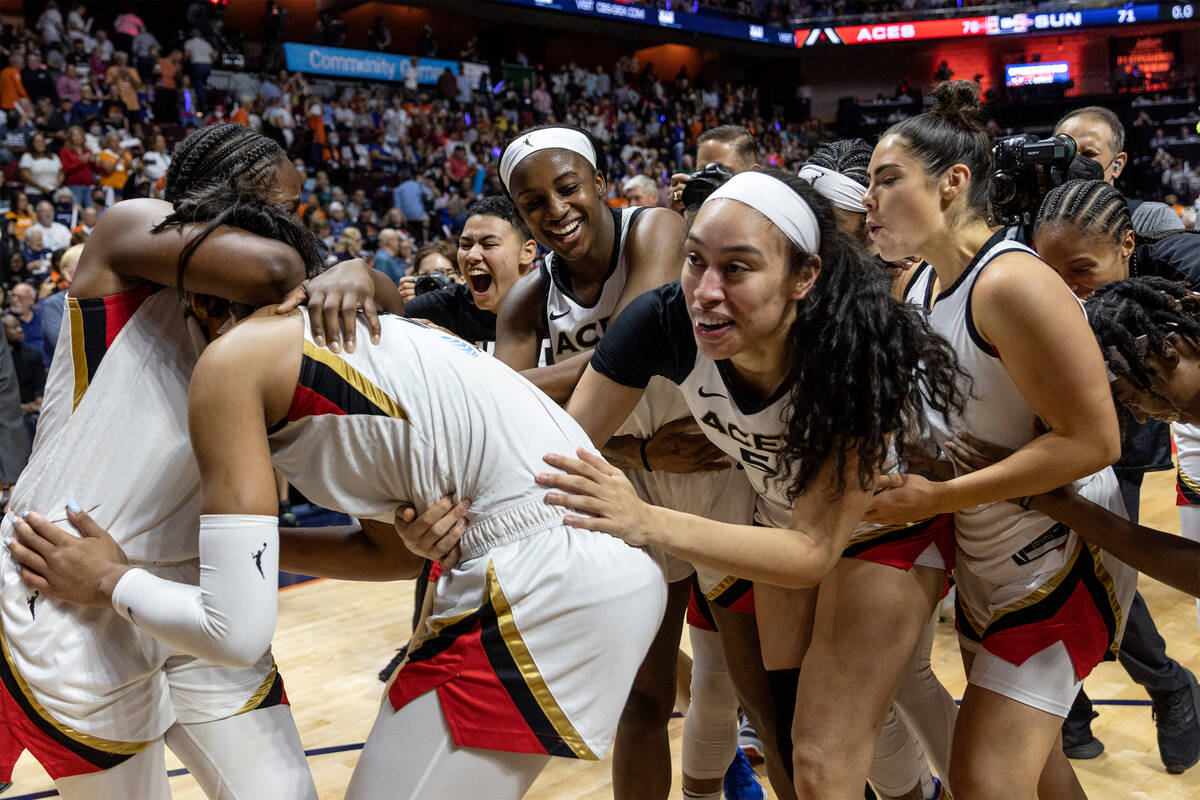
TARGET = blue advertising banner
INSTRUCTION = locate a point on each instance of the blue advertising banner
(363, 64)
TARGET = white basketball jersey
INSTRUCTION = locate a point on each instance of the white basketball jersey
(417, 417)
(573, 327)
(999, 539)
(113, 437)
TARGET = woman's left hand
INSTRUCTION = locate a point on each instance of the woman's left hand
(334, 299)
(599, 490)
(904, 497)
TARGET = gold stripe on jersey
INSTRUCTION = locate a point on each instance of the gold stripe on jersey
(1187, 480)
(359, 382)
(261, 692)
(529, 671)
(78, 352)
(1044, 591)
(86, 739)
(720, 588)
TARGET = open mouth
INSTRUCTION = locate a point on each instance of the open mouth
(480, 280)
(708, 326)
(567, 232)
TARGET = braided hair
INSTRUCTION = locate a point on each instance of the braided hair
(864, 368)
(1095, 208)
(851, 157)
(1134, 319)
(223, 175)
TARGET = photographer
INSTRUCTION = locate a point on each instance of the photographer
(1100, 136)
(433, 269)
(729, 146)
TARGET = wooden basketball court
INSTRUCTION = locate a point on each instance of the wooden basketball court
(334, 637)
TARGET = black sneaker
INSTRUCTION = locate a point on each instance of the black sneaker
(1078, 741)
(1178, 723)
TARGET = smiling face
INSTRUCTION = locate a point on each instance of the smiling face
(737, 281)
(491, 256)
(1085, 262)
(559, 195)
(904, 207)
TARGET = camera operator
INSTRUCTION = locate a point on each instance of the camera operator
(1100, 136)
(730, 147)
(495, 248)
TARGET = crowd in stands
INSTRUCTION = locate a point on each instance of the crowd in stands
(93, 109)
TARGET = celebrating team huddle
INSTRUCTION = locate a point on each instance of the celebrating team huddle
(792, 415)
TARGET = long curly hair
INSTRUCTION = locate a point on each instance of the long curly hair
(865, 369)
(223, 175)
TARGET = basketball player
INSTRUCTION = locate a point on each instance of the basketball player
(600, 260)
(1037, 608)
(113, 438)
(507, 673)
(767, 274)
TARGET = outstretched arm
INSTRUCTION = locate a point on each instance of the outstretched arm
(823, 520)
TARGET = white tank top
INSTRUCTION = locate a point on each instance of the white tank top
(573, 326)
(417, 417)
(113, 437)
(113, 434)
(995, 539)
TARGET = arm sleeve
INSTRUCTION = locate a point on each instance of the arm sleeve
(652, 336)
(230, 617)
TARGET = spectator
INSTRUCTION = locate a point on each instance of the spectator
(20, 216)
(200, 56)
(66, 210)
(337, 220)
(411, 81)
(87, 221)
(22, 304)
(14, 441)
(55, 235)
(68, 86)
(114, 165)
(36, 77)
(427, 46)
(36, 254)
(640, 191)
(379, 37)
(103, 51)
(12, 90)
(447, 85)
(125, 82)
(349, 245)
(31, 374)
(78, 166)
(387, 257)
(411, 197)
(125, 27)
(41, 170)
(87, 110)
(79, 24)
(51, 25)
(154, 164)
(166, 95)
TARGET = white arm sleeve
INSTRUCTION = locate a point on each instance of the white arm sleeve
(230, 617)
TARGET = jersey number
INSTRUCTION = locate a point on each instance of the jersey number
(760, 461)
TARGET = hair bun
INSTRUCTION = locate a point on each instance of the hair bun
(957, 102)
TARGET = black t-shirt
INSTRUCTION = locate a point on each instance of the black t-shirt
(652, 336)
(31, 373)
(454, 309)
(1175, 257)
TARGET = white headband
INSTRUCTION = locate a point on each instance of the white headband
(543, 139)
(843, 192)
(776, 201)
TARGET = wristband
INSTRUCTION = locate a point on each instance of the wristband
(1025, 501)
(645, 462)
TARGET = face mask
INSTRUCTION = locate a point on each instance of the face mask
(1084, 168)
(333, 140)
